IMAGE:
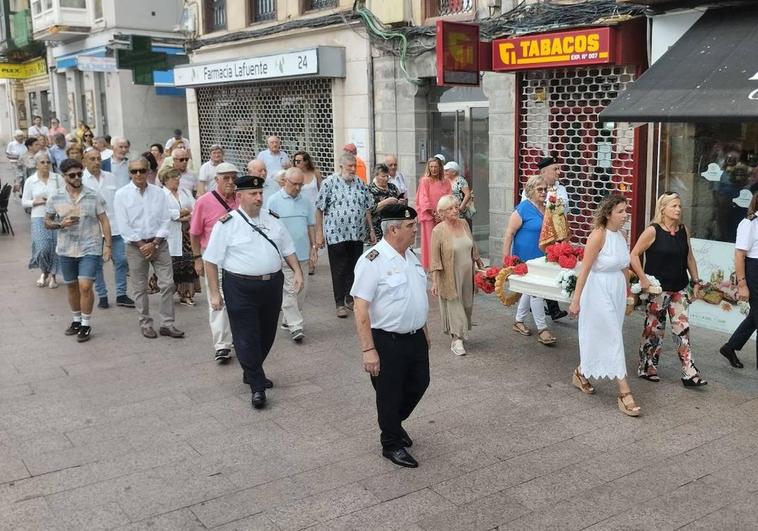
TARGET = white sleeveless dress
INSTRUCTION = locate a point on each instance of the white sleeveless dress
(602, 310)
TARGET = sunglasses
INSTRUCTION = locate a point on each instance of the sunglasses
(88, 136)
(541, 189)
(44, 162)
(298, 161)
(74, 174)
(135, 171)
(182, 159)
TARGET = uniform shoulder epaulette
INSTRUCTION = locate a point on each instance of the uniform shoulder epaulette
(225, 218)
(371, 256)
(271, 212)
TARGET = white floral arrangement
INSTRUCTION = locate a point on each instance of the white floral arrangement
(655, 287)
(567, 281)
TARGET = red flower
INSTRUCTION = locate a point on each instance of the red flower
(492, 271)
(488, 288)
(552, 198)
(520, 269)
(510, 261)
(567, 261)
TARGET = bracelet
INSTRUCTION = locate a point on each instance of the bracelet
(369, 349)
(195, 257)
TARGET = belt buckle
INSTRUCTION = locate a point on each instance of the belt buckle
(265, 277)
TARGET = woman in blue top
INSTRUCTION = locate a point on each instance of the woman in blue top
(523, 234)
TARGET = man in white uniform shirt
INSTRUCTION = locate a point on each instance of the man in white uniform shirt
(248, 245)
(206, 181)
(143, 219)
(391, 307)
(104, 183)
(274, 157)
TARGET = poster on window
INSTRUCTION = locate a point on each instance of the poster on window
(719, 309)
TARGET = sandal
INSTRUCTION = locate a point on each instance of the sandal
(582, 383)
(694, 381)
(521, 328)
(633, 410)
(546, 337)
(650, 376)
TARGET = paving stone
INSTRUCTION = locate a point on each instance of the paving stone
(321, 507)
(181, 520)
(484, 513)
(28, 515)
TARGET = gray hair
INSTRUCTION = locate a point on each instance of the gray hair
(42, 154)
(347, 158)
(291, 172)
(532, 184)
(141, 160)
(117, 139)
(387, 223)
(446, 201)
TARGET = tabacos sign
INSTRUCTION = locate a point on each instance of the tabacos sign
(550, 50)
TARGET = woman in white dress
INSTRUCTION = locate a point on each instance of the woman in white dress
(600, 302)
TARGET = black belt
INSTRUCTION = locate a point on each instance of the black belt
(396, 334)
(252, 277)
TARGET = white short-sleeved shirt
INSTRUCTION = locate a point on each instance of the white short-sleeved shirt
(747, 237)
(207, 174)
(237, 247)
(394, 286)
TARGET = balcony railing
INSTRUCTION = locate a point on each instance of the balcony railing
(263, 10)
(215, 15)
(312, 5)
(441, 8)
(60, 19)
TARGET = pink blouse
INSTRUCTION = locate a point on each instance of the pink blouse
(430, 191)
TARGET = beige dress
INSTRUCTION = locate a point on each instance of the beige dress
(456, 313)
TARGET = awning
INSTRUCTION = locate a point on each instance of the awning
(710, 74)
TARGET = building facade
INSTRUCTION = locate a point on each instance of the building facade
(88, 85)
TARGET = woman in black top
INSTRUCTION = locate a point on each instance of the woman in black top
(668, 257)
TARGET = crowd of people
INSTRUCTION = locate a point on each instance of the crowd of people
(249, 239)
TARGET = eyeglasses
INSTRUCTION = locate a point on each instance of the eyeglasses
(541, 189)
(74, 174)
(90, 136)
(135, 171)
(295, 184)
(298, 161)
(183, 159)
(43, 162)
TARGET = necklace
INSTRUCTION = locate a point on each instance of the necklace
(669, 229)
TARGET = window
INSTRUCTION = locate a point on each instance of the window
(262, 10)
(74, 4)
(441, 8)
(98, 9)
(215, 15)
(311, 5)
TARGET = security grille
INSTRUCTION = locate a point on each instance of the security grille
(242, 117)
(559, 117)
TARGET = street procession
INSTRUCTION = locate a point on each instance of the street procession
(419, 265)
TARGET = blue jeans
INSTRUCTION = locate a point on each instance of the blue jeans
(118, 255)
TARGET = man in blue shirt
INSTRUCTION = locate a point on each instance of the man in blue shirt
(58, 150)
(299, 218)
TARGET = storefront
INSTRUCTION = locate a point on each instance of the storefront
(564, 81)
(701, 99)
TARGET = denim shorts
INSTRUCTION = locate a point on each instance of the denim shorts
(84, 267)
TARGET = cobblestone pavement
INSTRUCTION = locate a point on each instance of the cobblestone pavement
(130, 433)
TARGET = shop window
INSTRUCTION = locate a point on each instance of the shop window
(261, 10)
(714, 169)
(311, 5)
(215, 15)
(74, 4)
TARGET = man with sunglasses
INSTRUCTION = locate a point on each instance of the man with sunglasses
(143, 219)
(187, 179)
(84, 239)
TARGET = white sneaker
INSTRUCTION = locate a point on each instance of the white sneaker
(42, 281)
(457, 347)
(52, 284)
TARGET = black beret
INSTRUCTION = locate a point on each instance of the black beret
(249, 182)
(547, 161)
(398, 211)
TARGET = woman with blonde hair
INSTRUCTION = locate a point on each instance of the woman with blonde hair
(746, 270)
(600, 302)
(431, 188)
(453, 254)
(522, 238)
(668, 257)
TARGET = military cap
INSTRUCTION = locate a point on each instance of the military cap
(547, 161)
(249, 182)
(398, 211)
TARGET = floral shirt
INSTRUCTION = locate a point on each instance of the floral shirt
(344, 204)
(457, 190)
(380, 194)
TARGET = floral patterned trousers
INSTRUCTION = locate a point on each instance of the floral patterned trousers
(675, 304)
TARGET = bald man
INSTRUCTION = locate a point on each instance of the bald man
(257, 168)
(274, 157)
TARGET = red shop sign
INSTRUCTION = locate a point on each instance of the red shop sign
(457, 53)
(550, 50)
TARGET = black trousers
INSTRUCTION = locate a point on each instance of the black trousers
(342, 259)
(253, 307)
(402, 381)
(750, 323)
(552, 307)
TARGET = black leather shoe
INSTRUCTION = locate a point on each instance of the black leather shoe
(259, 399)
(223, 355)
(731, 355)
(407, 441)
(400, 457)
(560, 314)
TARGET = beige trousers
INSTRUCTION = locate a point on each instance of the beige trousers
(292, 305)
(218, 319)
(139, 270)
